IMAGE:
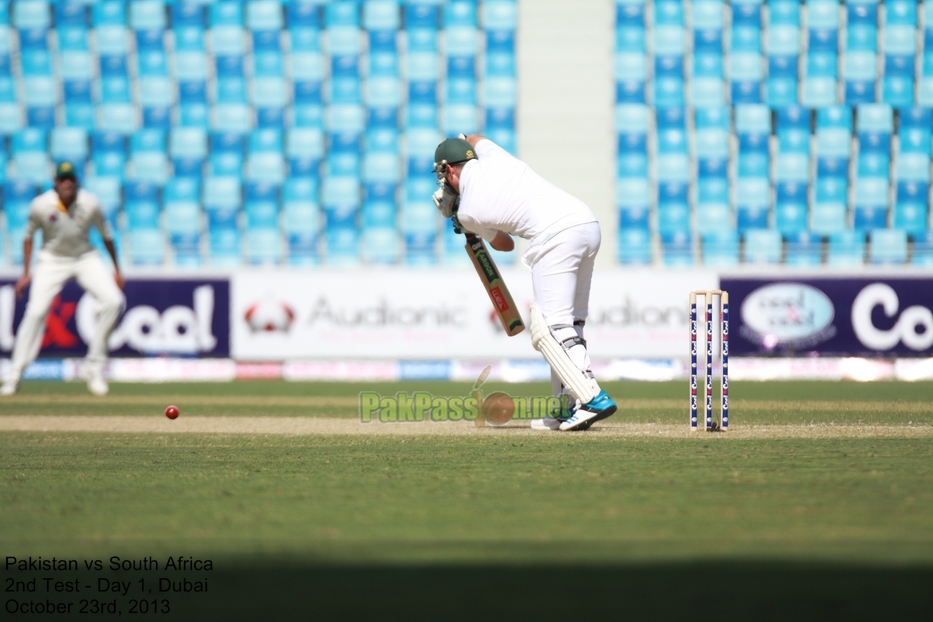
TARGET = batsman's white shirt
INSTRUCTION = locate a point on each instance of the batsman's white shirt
(65, 232)
(499, 192)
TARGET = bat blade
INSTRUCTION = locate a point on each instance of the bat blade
(498, 293)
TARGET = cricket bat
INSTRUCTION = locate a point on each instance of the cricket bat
(498, 293)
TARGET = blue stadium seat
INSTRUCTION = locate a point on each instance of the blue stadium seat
(900, 27)
(264, 15)
(790, 208)
(782, 81)
(117, 117)
(819, 84)
(30, 156)
(871, 203)
(265, 161)
(804, 249)
(381, 15)
(669, 84)
(911, 207)
(762, 246)
(846, 249)
(887, 246)
(31, 14)
(147, 15)
(70, 14)
(108, 154)
(673, 208)
(833, 141)
(793, 134)
(183, 220)
(634, 246)
(707, 84)
(380, 245)
(304, 148)
(711, 134)
(263, 238)
(17, 195)
(721, 248)
(669, 35)
(752, 201)
(188, 151)
(302, 220)
(342, 246)
(922, 249)
(148, 160)
(677, 249)
(912, 163)
(828, 212)
(874, 126)
(141, 205)
(146, 246)
(69, 143)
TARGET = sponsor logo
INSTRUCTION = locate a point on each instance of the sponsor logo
(176, 330)
(787, 314)
(501, 302)
(56, 325)
(269, 316)
(905, 327)
(383, 314)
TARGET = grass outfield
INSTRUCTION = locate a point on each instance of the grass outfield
(817, 505)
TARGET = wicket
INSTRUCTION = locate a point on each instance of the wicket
(708, 296)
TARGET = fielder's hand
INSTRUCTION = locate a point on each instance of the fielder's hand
(21, 284)
(446, 200)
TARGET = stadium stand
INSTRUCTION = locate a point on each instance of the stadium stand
(808, 132)
(296, 110)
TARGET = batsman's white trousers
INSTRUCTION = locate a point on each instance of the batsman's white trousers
(561, 273)
(48, 279)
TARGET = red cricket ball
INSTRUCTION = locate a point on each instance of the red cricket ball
(171, 412)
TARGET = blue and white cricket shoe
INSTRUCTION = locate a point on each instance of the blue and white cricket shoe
(595, 410)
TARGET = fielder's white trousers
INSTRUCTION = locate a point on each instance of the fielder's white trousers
(48, 279)
(561, 273)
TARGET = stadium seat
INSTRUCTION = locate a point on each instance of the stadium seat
(677, 249)
(846, 249)
(634, 246)
(804, 249)
(302, 220)
(183, 220)
(922, 249)
(721, 248)
(887, 246)
(790, 208)
(148, 160)
(911, 207)
(188, 151)
(762, 246)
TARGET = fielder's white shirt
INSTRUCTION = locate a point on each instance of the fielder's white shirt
(65, 231)
(499, 192)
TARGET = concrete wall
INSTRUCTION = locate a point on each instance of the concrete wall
(565, 108)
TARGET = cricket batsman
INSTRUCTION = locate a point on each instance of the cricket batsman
(65, 215)
(490, 193)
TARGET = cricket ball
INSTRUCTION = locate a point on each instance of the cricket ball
(498, 408)
(171, 412)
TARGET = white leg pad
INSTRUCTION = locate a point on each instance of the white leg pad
(544, 342)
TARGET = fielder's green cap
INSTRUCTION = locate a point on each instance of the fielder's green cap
(66, 170)
(453, 151)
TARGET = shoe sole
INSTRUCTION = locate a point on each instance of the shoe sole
(585, 425)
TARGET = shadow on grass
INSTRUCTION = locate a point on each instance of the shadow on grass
(702, 590)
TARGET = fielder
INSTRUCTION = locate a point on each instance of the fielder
(492, 194)
(65, 215)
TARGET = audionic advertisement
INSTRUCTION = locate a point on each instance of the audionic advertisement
(163, 317)
(445, 313)
(839, 316)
